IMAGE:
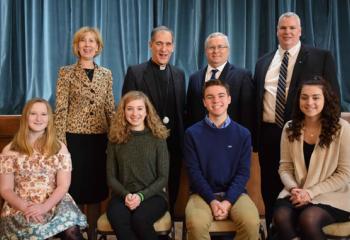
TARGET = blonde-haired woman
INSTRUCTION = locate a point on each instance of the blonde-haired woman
(84, 107)
(137, 168)
(35, 173)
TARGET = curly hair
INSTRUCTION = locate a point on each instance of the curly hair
(120, 128)
(47, 144)
(330, 113)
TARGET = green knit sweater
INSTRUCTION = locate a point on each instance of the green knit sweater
(139, 166)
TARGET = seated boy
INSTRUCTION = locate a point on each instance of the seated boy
(217, 155)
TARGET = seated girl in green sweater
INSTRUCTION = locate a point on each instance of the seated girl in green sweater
(137, 168)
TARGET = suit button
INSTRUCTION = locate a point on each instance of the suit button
(91, 102)
(92, 90)
(91, 113)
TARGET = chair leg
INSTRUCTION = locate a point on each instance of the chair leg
(262, 232)
(102, 237)
(184, 230)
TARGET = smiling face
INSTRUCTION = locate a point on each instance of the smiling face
(311, 101)
(216, 101)
(217, 51)
(162, 47)
(38, 118)
(135, 114)
(88, 46)
(288, 32)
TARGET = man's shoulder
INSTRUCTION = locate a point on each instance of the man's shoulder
(177, 70)
(313, 49)
(196, 76)
(237, 71)
(138, 67)
(317, 53)
(266, 56)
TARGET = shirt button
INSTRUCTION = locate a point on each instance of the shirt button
(91, 102)
(92, 90)
(91, 113)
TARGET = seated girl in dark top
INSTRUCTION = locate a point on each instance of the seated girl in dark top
(137, 168)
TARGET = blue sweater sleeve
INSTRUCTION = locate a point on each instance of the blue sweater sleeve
(238, 184)
(197, 181)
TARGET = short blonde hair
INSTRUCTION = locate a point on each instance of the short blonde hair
(80, 34)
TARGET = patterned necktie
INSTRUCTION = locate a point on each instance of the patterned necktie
(281, 91)
(213, 72)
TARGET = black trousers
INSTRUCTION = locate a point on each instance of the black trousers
(269, 156)
(136, 224)
(174, 180)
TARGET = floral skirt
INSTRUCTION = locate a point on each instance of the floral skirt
(65, 215)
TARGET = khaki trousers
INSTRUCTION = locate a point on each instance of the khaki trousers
(243, 213)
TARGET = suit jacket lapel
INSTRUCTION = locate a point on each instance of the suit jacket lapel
(297, 69)
(295, 81)
(265, 66)
(225, 71)
(201, 80)
(150, 83)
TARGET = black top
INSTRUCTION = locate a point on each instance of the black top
(89, 73)
(308, 149)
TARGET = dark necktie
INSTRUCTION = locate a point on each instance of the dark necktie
(281, 91)
(213, 72)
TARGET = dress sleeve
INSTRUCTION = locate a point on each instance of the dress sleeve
(7, 164)
(64, 162)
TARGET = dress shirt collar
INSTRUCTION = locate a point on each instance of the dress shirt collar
(294, 50)
(220, 68)
(212, 124)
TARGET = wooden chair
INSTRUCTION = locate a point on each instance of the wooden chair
(338, 230)
(163, 226)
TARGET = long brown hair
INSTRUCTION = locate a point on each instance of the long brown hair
(47, 144)
(330, 113)
(120, 128)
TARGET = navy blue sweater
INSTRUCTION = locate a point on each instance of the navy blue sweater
(217, 160)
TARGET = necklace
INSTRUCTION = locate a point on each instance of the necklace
(309, 132)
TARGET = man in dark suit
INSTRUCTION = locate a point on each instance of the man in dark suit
(241, 109)
(302, 63)
(164, 84)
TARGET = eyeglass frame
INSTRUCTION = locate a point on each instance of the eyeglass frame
(219, 48)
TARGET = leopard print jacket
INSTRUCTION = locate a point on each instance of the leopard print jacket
(83, 106)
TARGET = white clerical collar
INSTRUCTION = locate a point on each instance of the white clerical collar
(162, 67)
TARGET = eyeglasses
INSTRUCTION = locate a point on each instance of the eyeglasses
(219, 48)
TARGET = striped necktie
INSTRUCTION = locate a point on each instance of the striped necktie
(281, 91)
(213, 72)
